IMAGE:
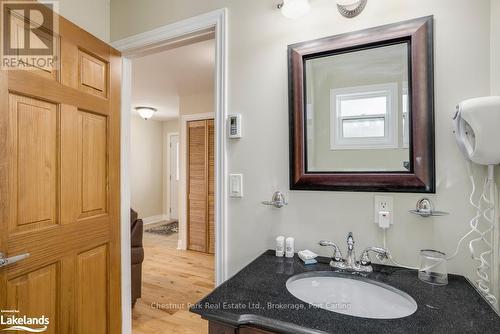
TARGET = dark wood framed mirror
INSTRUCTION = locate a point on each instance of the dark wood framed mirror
(362, 110)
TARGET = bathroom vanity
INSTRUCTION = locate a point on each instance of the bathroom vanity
(361, 119)
(256, 300)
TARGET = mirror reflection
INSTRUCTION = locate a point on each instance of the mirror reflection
(358, 111)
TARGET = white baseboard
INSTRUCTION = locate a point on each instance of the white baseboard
(154, 219)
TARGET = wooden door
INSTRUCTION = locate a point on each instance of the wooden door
(201, 217)
(59, 187)
(211, 186)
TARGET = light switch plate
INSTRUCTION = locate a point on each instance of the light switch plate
(383, 203)
(236, 185)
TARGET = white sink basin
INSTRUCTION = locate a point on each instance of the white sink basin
(351, 295)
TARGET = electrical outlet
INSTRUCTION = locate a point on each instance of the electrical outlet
(383, 203)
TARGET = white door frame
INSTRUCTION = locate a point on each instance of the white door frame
(183, 179)
(147, 42)
(168, 171)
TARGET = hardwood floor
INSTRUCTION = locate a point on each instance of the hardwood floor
(171, 280)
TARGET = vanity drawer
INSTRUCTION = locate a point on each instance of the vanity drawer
(218, 328)
(249, 330)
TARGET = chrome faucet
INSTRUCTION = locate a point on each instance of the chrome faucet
(350, 263)
(351, 254)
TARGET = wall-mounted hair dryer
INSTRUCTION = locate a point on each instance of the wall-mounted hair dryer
(477, 130)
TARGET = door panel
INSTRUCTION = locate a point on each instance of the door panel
(211, 186)
(93, 154)
(201, 215)
(92, 274)
(34, 127)
(59, 184)
(197, 170)
(36, 293)
(93, 74)
(17, 40)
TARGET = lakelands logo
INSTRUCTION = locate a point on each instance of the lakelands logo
(16, 322)
(29, 35)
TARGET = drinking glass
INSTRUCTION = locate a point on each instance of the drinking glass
(433, 267)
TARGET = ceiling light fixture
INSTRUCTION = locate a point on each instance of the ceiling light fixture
(294, 9)
(146, 112)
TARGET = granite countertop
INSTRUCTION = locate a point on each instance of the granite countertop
(257, 296)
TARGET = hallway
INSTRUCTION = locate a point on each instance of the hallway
(171, 280)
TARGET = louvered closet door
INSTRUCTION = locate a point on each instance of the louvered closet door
(211, 186)
(201, 186)
(59, 187)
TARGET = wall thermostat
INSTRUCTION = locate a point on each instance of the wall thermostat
(235, 126)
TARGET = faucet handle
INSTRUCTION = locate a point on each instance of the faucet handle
(337, 255)
(365, 259)
(325, 243)
(382, 255)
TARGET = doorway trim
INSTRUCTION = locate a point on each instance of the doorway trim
(183, 223)
(137, 45)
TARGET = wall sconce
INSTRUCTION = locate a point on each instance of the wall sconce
(146, 112)
(351, 8)
(294, 9)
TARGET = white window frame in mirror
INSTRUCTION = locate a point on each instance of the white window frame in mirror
(405, 112)
(390, 140)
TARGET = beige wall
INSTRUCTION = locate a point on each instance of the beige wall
(196, 104)
(257, 74)
(91, 15)
(150, 165)
(146, 168)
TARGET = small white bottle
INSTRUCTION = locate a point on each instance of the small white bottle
(280, 246)
(290, 247)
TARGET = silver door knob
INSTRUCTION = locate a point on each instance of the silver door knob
(5, 261)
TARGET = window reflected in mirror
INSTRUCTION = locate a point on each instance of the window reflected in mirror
(358, 110)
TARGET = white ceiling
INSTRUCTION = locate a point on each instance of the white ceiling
(160, 79)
